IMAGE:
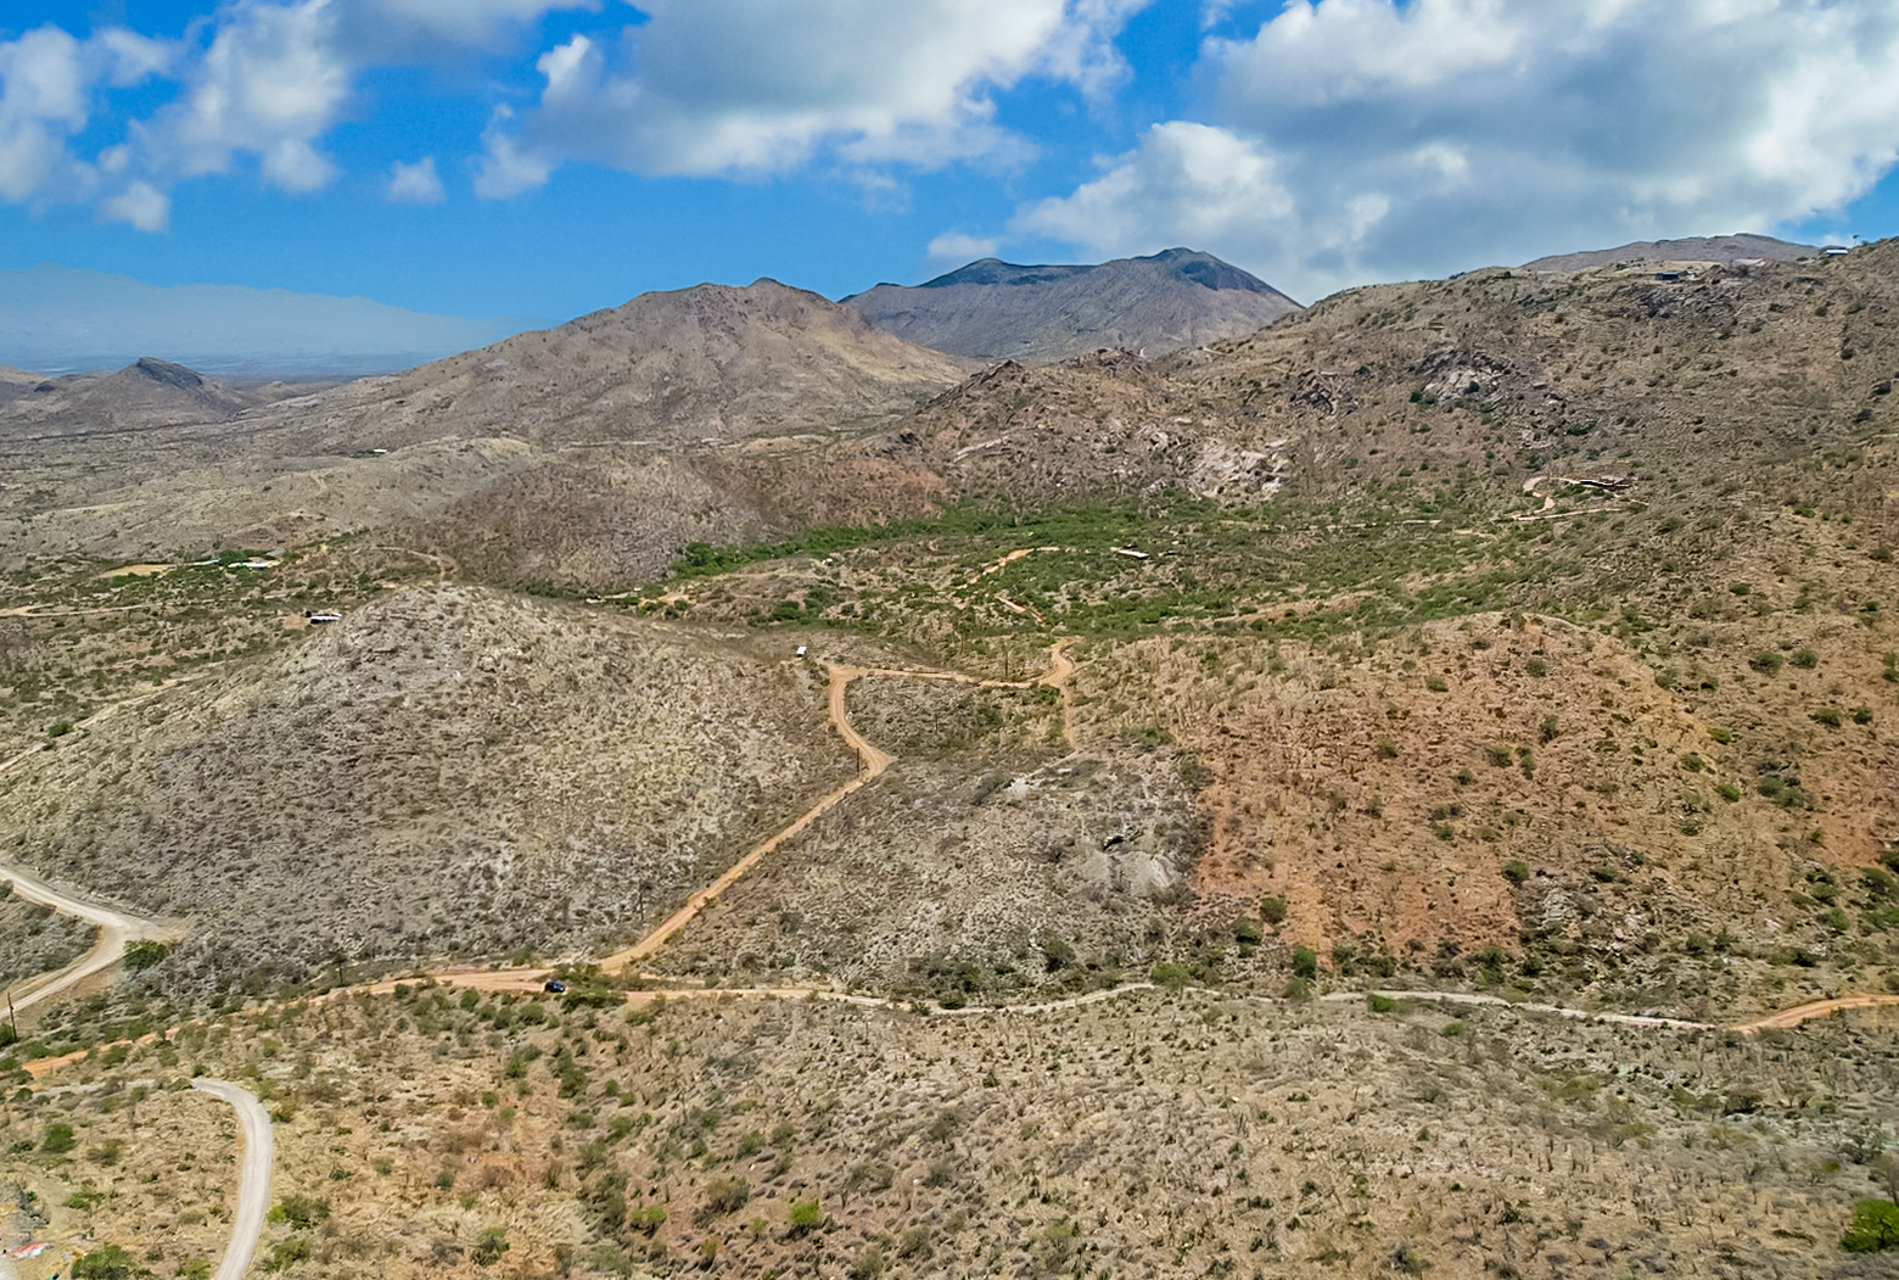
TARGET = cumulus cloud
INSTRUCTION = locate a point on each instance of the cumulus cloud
(759, 86)
(1360, 139)
(386, 30)
(415, 183)
(956, 247)
(141, 204)
(48, 82)
(271, 84)
(274, 79)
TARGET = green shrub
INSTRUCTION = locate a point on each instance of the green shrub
(144, 954)
(1862, 715)
(301, 1212)
(1537, 666)
(1767, 662)
(1805, 659)
(1728, 792)
(286, 1254)
(1380, 1004)
(1248, 932)
(1875, 1228)
(723, 1196)
(490, 1246)
(1272, 910)
(1693, 762)
(1828, 716)
(108, 1262)
(1166, 974)
(1305, 962)
(805, 1216)
(1516, 872)
(59, 1139)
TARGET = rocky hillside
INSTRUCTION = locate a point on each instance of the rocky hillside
(993, 310)
(710, 363)
(448, 772)
(146, 393)
(1727, 251)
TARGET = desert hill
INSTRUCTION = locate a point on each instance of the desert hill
(706, 364)
(446, 772)
(1726, 250)
(146, 393)
(992, 310)
(601, 427)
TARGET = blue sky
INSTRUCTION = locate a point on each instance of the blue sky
(543, 158)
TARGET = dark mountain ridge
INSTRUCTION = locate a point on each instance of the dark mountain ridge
(1039, 314)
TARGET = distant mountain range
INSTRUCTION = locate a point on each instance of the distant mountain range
(59, 320)
(992, 310)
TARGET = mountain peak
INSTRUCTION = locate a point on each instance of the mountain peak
(994, 310)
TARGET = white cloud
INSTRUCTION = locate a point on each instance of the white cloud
(272, 83)
(1357, 140)
(390, 30)
(48, 81)
(760, 86)
(276, 77)
(415, 183)
(141, 204)
(954, 246)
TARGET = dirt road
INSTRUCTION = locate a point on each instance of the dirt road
(1561, 1011)
(871, 763)
(253, 1186)
(116, 931)
(1060, 668)
(1815, 1009)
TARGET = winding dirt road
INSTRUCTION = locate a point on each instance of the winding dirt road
(872, 762)
(253, 1185)
(116, 932)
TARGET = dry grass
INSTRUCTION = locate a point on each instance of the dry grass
(1156, 1135)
